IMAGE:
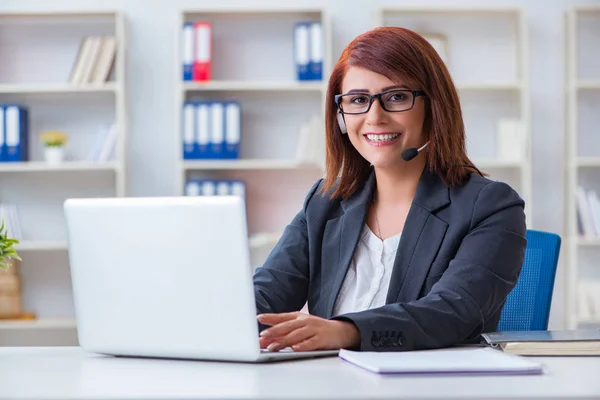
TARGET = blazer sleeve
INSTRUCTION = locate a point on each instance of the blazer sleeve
(471, 290)
(281, 283)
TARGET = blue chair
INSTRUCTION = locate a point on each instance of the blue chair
(527, 306)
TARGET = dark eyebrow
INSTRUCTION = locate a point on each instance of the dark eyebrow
(385, 89)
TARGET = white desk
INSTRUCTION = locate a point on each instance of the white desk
(69, 373)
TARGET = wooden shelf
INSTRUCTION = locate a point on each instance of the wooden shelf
(588, 85)
(594, 242)
(255, 86)
(57, 88)
(41, 166)
(43, 323)
(492, 163)
(482, 87)
(247, 165)
(42, 245)
(588, 161)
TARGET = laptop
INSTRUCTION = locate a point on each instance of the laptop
(165, 277)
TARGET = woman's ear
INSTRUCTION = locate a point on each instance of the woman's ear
(342, 122)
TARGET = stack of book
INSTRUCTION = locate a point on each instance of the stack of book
(588, 213)
(95, 60)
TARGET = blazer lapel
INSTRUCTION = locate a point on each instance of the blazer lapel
(341, 238)
(421, 238)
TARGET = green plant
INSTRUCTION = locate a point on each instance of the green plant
(7, 250)
(54, 138)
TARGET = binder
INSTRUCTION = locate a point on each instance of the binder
(207, 188)
(302, 50)
(232, 130)
(2, 130)
(16, 133)
(238, 188)
(192, 187)
(315, 65)
(217, 130)
(203, 51)
(577, 342)
(189, 129)
(202, 126)
(187, 50)
(222, 188)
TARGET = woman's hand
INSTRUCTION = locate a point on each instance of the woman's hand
(303, 332)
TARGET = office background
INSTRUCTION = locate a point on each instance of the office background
(152, 99)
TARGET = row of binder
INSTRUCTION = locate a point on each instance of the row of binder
(308, 51)
(14, 133)
(215, 187)
(211, 130)
(197, 51)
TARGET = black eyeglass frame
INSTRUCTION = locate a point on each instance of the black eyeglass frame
(338, 100)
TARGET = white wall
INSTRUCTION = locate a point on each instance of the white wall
(152, 31)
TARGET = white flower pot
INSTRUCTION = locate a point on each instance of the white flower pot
(54, 155)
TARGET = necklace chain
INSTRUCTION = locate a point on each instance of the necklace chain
(377, 219)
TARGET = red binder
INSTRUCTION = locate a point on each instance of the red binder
(203, 51)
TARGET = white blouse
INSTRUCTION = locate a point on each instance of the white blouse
(368, 278)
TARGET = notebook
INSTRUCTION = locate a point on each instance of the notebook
(576, 342)
(455, 360)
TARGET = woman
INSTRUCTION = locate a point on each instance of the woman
(393, 255)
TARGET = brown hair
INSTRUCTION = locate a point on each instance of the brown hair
(397, 52)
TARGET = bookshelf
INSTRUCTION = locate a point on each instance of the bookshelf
(582, 94)
(37, 188)
(253, 64)
(490, 71)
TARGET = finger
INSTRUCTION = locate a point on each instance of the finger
(283, 328)
(265, 342)
(293, 338)
(310, 344)
(272, 319)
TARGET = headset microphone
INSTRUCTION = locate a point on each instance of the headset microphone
(412, 152)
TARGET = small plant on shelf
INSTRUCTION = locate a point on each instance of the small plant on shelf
(54, 145)
(7, 250)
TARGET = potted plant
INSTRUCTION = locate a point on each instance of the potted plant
(54, 146)
(7, 250)
(11, 305)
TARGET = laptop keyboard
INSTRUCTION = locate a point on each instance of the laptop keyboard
(285, 350)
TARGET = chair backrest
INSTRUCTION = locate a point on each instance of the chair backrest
(527, 306)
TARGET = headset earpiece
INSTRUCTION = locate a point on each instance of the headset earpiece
(342, 123)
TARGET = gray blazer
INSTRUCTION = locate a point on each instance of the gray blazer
(459, 256)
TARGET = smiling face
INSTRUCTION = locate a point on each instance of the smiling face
(378, 135)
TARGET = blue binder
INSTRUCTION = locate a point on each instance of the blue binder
(315, 65)
(202, 129)
(189, 131)
(217, 130)
(2, 135)
(233, 131)
(16, 133)
(187, 50)
(302, 50)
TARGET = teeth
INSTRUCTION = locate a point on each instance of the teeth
(382, 138)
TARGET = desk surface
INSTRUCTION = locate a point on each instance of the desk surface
(70, 373)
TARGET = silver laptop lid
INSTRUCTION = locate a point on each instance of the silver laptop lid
(163, 277)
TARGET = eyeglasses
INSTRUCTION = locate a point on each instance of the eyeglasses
(395, 100)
